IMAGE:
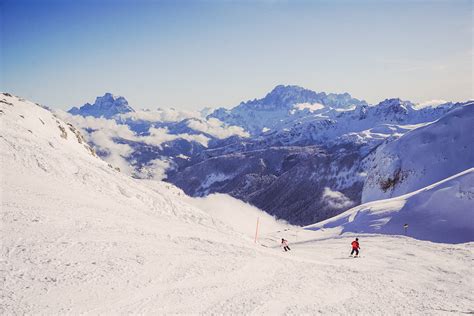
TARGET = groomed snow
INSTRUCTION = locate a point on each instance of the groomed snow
(81, 237)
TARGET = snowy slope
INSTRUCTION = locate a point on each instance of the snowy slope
(70, 221)
(242, 217)
(442, 212)
(80, 237)
(422, 156)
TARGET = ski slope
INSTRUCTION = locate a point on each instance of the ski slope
(79, 236)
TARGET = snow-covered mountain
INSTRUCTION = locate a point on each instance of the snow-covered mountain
(320, 116)
(106, 106)
(283, 103)
(359, 123)
(421, 157)
(306, 184)
(80, 237)
(281, 172)
(269, 151)
(440, 212)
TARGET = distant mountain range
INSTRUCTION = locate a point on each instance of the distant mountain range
(295, 153)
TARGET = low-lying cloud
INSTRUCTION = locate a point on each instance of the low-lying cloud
(160, 135)
(430, 103)
(155, 170)
(101, 132)
(160, 115)
(104, 133)
(336, 199)
(216, 128)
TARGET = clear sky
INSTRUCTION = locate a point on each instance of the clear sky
(192, 54)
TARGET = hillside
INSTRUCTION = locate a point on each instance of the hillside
(422, 156)
(441, 212)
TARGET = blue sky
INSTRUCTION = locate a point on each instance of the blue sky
(192, 54)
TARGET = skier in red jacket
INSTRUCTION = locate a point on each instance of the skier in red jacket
(355, 247)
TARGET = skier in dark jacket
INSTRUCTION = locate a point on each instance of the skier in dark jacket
(355, 247)
(284, 244)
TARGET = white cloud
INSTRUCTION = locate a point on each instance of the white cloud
(157, 136)
(116, 153)
(155, 169)
(430, 103)
(183, 156)
(161, 115)
(102, 132)
(160, 135)
(102, 136)
(336, 199)
(216, 128)
(311, 107)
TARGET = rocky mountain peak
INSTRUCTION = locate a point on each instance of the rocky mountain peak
(105, 106)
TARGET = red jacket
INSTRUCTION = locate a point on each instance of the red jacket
(355, 245)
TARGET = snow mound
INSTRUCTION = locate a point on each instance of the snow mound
(441, 212)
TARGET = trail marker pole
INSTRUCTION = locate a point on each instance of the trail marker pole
(256, 230)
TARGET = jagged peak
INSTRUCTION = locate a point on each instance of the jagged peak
(287, 88)
(113, 99)
(106, 106)
(395, 102)
(287, 96)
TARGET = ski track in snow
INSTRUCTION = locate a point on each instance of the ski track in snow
(79, 237)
